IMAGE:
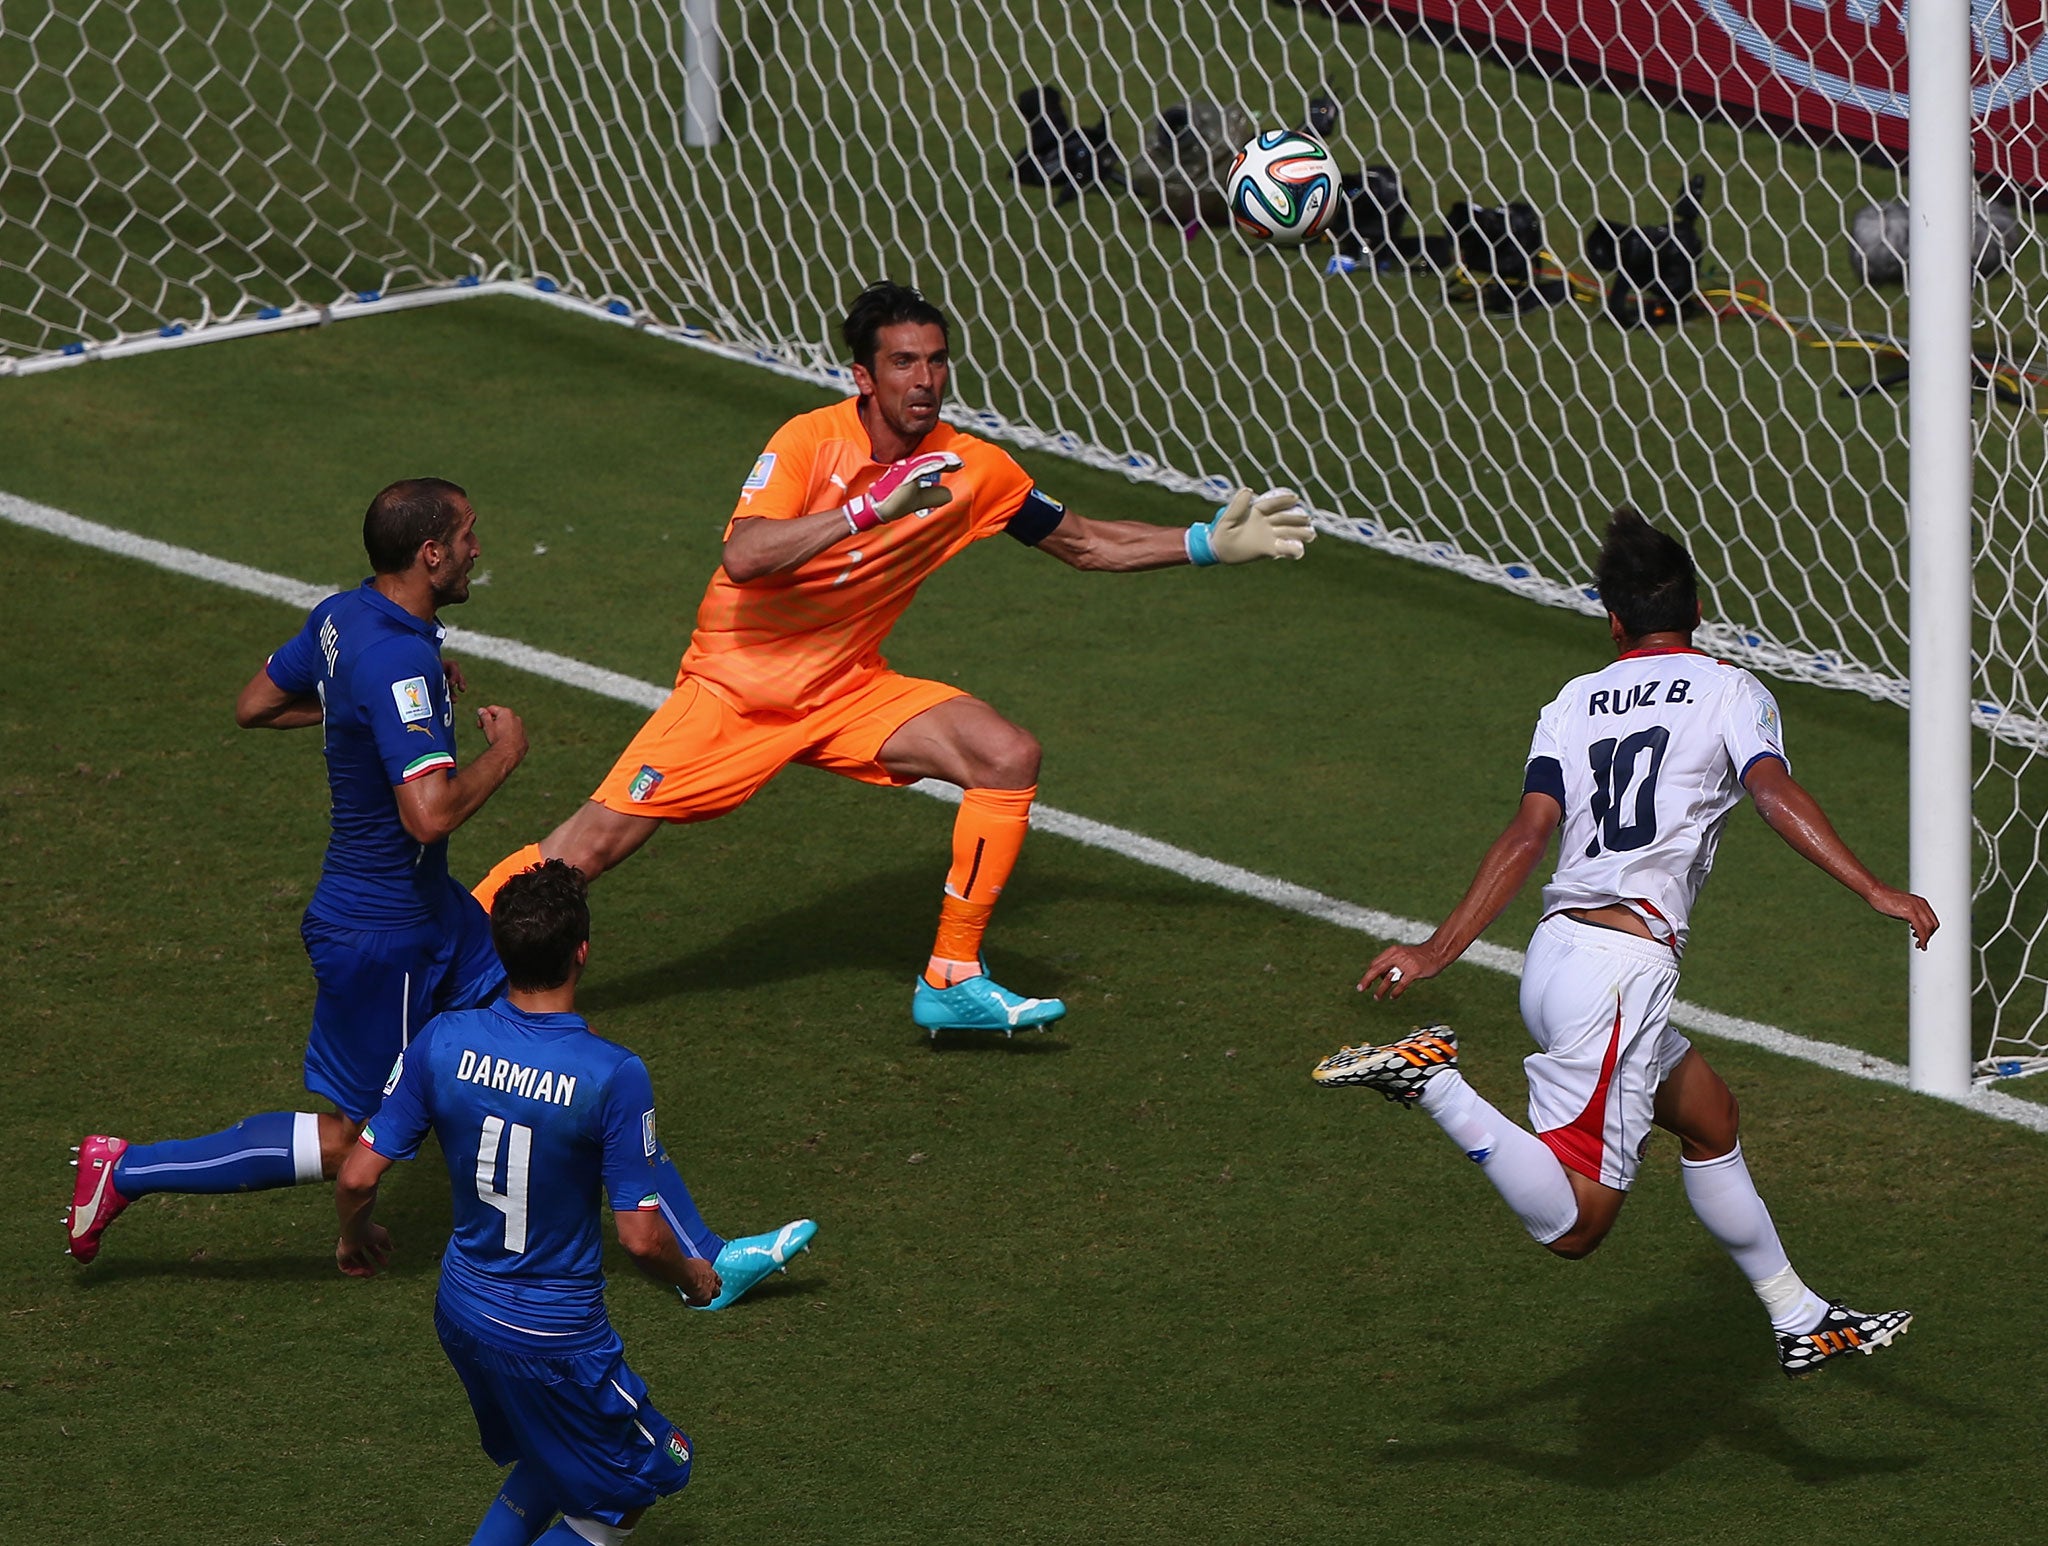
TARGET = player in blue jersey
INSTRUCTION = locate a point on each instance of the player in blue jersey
(536, 1115)
(392, 939)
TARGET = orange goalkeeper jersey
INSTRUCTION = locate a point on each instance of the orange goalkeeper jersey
(789, 642)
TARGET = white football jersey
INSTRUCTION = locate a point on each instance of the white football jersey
(1647, 758)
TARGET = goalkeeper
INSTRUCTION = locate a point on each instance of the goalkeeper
(848, 510)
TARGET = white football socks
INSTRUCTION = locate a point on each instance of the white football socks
(306, 1165)
(1529, 1178)
(1726, 1201)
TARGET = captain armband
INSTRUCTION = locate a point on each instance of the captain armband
(1544, 776)
(1036, 519)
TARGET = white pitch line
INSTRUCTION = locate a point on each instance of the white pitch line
(1095, 834)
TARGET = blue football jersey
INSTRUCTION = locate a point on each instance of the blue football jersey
(390, 720)
(537, 1117)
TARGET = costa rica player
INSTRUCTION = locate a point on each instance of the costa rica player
(845, 514)
(1635, 768)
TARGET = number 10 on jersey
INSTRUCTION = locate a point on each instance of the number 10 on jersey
(1624, 801)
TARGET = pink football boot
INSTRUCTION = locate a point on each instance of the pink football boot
(94, 1202)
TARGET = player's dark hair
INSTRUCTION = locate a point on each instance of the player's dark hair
(408, 513)
(538, 919)
(1647, 578)
(884, 304)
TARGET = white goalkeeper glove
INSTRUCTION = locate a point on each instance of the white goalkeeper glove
(911, 484)
(1274, 525)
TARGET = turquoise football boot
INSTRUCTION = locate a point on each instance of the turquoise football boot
(980, 1004)
(744, 1262)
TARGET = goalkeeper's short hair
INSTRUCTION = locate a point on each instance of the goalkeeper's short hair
(884, 304)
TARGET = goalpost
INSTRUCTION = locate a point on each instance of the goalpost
(725, 174)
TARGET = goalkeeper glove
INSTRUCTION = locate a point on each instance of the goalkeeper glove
(911, 484)
(1274, 525)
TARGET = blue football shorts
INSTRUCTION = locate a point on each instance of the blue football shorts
(581, 1423)
(377, 988)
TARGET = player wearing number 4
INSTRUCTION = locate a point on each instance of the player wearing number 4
(1640, 764)
(520, 1310)
(846, 513)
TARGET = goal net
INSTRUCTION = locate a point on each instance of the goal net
(1457, 379)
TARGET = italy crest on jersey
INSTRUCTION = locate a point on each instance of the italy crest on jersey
(645, 782)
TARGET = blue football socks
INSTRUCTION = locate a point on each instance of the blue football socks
(678, 1208)
(518, 1514)
(278, 1148)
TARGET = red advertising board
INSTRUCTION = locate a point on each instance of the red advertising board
(1837, 66)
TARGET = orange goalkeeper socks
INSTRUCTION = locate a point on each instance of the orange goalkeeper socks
(987, 836)
(486, 890)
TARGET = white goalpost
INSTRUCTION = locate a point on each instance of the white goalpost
(1940, 611)
(1588, 266)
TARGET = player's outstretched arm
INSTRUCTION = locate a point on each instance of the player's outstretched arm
(1796, 817)
(364, 1245)
(656, 1252)
(1502, 874)
(759, 546)
(1272, 525)
(432, 807)
(263, 705)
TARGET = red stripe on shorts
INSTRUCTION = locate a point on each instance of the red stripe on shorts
(1581, 1142)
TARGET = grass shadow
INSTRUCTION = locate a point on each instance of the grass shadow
(1655, 1391)
(839, 931)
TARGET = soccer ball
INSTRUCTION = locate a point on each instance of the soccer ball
(1282, 187)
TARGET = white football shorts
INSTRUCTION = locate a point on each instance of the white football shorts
(1598, 1002)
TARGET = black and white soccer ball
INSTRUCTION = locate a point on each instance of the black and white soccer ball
(1880, 236)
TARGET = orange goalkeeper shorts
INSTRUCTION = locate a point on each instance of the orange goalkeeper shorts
(698, 756)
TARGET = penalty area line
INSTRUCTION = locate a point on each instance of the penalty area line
(1095, 834)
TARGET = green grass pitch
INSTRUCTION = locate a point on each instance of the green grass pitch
(1135, 1280)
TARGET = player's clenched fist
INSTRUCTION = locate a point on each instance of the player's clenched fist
(362, 1253)
(502, 727)
(911, 485)
(1273, 525)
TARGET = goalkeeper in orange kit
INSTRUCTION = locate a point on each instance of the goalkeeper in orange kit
(848, 510)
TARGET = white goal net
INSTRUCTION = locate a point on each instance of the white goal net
(1465, 384)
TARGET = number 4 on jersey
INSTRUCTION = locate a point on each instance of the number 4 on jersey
(1615, 780)
(518, 1156)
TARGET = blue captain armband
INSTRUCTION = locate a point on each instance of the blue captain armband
(1036, 519)
(1543, 775)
